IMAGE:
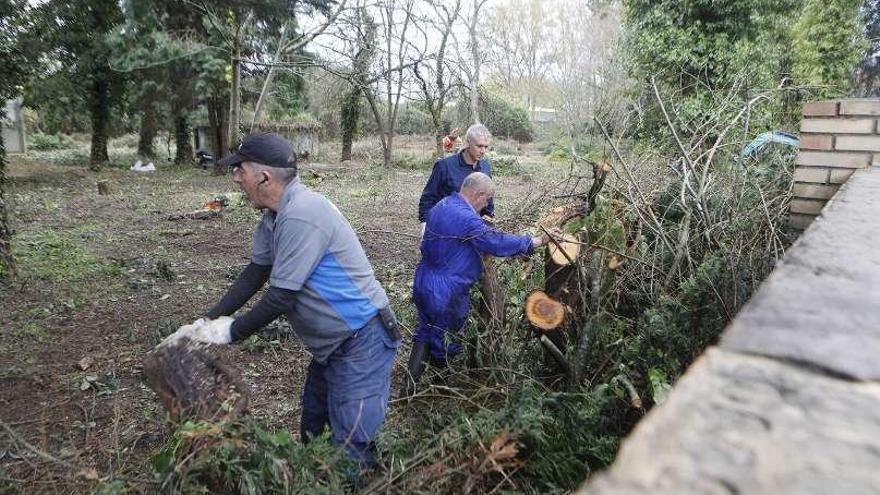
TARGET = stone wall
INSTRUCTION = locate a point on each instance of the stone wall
(837, 138)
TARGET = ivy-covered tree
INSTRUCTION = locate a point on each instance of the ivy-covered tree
(827, 45)
(170, 48)
(352, 103)
(14, 65)
(697, 49)
(73, 33)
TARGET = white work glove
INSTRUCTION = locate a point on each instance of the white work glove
(203, 330)
(213, 331)
(184, 331)
(423, 231)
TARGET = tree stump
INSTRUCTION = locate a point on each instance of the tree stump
(103, 187)
(193, 384)
(544, 312)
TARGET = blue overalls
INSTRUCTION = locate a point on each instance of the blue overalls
(455, 237)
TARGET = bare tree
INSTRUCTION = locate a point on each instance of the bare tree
(286, 47)
(364, 48)
(586, 71)
(477, 58)
(431, 74)
(396, 21)
(519, 54)
(236, 21)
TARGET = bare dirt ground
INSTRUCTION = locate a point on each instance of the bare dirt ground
(103, 278)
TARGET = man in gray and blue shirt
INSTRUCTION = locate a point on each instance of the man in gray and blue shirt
(320, 278)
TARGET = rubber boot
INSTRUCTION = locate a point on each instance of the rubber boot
(415, 367)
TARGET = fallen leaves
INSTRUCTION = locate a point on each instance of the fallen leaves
(85, 363)
(500, 457)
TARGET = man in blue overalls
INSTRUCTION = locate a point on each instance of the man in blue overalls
(320, 278)
(455, 240)
(448, 173)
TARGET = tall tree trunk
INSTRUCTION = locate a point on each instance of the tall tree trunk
(182, 139)
(350, 114)
(476, 56)
(217, 115)
(439, 133)
(100, 113)
(7, 260)
(233, 134)
(386, 149)
(149, 125)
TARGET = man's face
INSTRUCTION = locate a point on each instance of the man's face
(482, 200)
(249, 179)
(477, 147)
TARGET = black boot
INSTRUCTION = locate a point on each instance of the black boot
(415, 367)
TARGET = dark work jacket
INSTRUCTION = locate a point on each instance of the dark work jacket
(446, 178)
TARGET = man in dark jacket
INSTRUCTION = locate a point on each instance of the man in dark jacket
(455, 240)
(448, 173)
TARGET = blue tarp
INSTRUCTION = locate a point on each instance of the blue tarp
(760, 142)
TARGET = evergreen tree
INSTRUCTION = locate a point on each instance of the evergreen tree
(74, 33)
(15, 64)
(827, 45)
(697, 49)
(869, 68)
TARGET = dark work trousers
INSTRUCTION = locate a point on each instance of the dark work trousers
(350, 391)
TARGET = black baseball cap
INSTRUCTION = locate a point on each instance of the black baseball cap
(266, 148)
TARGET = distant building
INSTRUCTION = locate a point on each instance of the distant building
(543, 115)
(13, 127)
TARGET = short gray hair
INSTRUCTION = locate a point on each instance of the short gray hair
(479, 182)
(477, 131)
(283, 175)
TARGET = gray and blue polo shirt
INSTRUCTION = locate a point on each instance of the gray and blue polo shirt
(314, 251)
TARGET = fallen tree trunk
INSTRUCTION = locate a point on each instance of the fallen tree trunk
(194, 384)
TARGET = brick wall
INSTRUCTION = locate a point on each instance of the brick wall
(837, 138)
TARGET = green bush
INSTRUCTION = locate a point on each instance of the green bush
(45, 142)
(409, 161)
(559, 149)
(414, 121)
(505, 118)
(242, 457)
(504, 164)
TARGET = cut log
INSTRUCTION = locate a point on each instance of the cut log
(193, 384)
(562, 214)
(544, 312)
(564, 251)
